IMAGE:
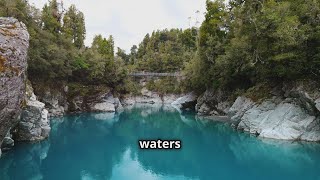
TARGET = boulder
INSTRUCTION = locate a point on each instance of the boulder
(186, 102)
(239, 107)
(104, 107)
(107, 103)
(8, 142)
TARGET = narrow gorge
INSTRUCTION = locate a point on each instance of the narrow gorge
(88, 93)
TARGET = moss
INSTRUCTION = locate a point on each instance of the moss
(24, 103)
(2, 50)
(236, 94)
(259, 92)
(2, 64)
(78, 89)
(6, 32)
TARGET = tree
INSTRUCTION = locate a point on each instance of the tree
(133, 54)
(51, 17)
(74, 26)
(122, 54)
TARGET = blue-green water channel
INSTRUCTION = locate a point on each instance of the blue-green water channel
(105, 146)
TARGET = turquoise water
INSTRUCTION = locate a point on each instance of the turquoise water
(103, 146)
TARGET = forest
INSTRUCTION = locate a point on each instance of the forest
(239, 45)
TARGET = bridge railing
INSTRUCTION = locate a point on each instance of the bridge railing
(150, 74)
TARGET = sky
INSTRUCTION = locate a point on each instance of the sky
(130, 20)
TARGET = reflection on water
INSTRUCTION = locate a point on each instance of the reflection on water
(105, 146)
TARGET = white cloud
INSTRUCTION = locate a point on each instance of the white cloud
(130, 20)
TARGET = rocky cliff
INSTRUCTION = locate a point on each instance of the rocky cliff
(22, 117)
(14, 43)
(290, 111)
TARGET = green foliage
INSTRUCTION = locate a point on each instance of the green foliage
(130, 87)
(51, 17)
(164, 51)
(238, 46)
(74, 26)
(167, 85)
(250, 41)
(57, 52)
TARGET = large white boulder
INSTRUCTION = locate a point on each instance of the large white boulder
(104, 107)
(186, 101)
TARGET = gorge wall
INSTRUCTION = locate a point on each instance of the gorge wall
(14, 43)
(22, 117)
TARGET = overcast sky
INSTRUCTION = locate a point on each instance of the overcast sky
(130, 20)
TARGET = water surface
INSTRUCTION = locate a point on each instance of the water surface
(105, 146)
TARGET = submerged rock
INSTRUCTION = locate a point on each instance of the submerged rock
(7, 142)
(14, 43)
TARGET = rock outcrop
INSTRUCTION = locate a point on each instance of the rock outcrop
(293, 115)
(186, 102)
(290, 112)
(34, 124)
(149, 97)
(62, 99)
(106, 103)
(275, 118)
(213, 103)
(14, 43)
(56, 103)
(53, 96)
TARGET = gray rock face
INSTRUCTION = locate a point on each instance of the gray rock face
(149, 97)
(213, 103)
(293, 112)
(106, 103)
(14, 43)
(34, 124)
(56, 102)
(186, 102)
(293, 116)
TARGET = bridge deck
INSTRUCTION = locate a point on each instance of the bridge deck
(150, 74)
